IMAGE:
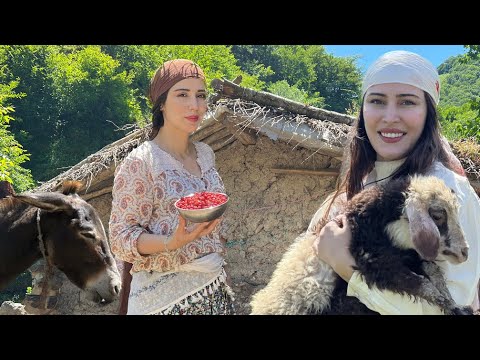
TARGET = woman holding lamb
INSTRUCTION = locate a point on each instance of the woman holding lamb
(397, 134)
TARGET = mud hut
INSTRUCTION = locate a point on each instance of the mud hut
(278, 159)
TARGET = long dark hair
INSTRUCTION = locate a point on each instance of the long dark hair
(362, 156)
(157, 115)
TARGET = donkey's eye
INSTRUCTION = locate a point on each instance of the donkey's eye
(89, 235)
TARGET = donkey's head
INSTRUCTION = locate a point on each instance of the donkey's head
(431, 209)
(75, 241)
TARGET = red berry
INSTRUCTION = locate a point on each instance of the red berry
(201, 200)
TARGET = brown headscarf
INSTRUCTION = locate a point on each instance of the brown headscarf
(170, 73)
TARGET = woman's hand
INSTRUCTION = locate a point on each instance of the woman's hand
(184, 235)
(332, 246)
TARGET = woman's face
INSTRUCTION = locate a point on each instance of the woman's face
(186, 105)
(395, 116)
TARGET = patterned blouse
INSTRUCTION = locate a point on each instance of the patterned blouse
(146, 186)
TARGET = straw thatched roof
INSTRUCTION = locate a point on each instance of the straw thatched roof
(241, 114)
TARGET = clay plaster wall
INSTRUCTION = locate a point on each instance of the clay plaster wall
(266, 213)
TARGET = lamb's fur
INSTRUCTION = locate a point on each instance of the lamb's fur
(399, 230)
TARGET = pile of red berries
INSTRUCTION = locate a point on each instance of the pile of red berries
(201, 200)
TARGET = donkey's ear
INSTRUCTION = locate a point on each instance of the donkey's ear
(46, 201)
(424, 232)
(71, 187)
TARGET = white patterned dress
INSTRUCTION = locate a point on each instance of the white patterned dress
(146, 186)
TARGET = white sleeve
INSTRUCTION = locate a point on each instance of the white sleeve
(386, 302)
(462, 279)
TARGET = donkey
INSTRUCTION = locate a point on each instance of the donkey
(63, 229)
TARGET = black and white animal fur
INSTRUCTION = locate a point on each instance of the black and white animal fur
(399, 230)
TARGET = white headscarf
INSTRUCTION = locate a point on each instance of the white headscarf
(406, 68)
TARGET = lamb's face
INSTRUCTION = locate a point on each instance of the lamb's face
(432, 211)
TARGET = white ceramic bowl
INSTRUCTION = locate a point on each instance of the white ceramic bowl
(203, 215)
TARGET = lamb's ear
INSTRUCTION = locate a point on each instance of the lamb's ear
(424, 232)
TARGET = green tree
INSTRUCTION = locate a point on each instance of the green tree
(473, 52)
(282, 88)
(457, 121)
(257, 60)
(141, 61)
(34, 122)
(460, 81)
(307, 67)
(12, 154)
(460, 95)
(92, 97)
(338, 79)
(75, 95)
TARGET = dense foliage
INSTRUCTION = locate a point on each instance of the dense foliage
(71, 100)
(460, 96)
(12, 154)
(60, 103)
(77, 97)
(327, 81)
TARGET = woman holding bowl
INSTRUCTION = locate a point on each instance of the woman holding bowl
(176, 269)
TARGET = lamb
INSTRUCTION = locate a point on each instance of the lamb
(400, 231)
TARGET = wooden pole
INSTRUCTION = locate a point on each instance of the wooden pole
(232, 90)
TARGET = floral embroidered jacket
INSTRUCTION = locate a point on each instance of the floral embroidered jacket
(147, 184)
